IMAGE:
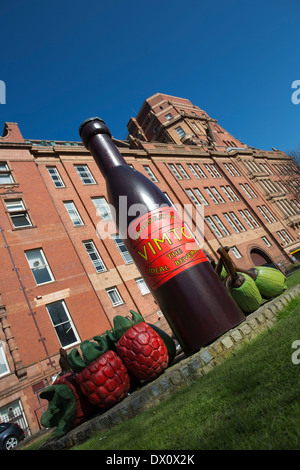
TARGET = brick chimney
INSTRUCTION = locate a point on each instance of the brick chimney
(11, 133)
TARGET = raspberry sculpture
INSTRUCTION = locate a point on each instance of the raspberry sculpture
(67, 407)
(101, 374)
(140, 347)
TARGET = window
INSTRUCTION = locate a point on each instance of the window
(55, 176)
(193, 197)
(211, 195)
(180, 131)
(231, 223)
(221, 226)
(168, 116)
(230, 190)
(94, 256)
(236, 252)
(251, 218)
(174, 171)
(216, 193)
(85, 174)
(150, 174)
(114, 296)
(250, 190)
(283, 236)
(202, 198)
(209, 170)
(4, 369)
(39, 266)
(193, 170)
(231, 169)
(213, 227)
(236, 220)
(227, 193)
(183, 172)
(248, 222)
(266, 241)
(73, 213)
(266, 214)
(171, 203)
(142, 286)
(200, 171)
(214, 168)
(5, 174)
(18, 213)
(122, 249)
(102, 208)
(62, 323)
(245, 191)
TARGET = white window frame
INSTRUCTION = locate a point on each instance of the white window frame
(236, 220)
(182, 171)
(193, 170)
(55, 176)
(142, 286)
(266, 241)
(45, 265)
(175, 172)
(236, 252)
(6, 173)
(85, 174)
(3, 358)
(98, 262)
(102, 208)
(211, 195)
(201, 197)
(124, 253)
(217, 194)
(221, 226)
(17, 212)
(207, 167)
(180, 131)
(213, 227)
(231, 223)
(150, 173)
(200, 171)
(69, 320)
(113, 291)
(73, 213)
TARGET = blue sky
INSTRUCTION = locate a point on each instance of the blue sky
(64, 61)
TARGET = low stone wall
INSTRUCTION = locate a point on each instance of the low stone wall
(177, 376)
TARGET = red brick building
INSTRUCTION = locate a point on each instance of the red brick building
(62, 283)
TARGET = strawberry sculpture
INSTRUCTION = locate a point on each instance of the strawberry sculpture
(142, 350)
(101, 374)
(67, 407)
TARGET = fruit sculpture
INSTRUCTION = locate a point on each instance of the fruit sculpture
(270, 281)
(249, 287)
(141, 348)
(105, 371)
(101, 374)
(67, 407)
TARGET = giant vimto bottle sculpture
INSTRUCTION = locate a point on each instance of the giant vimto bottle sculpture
(194, 301)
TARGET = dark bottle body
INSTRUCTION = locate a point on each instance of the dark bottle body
(195, 302)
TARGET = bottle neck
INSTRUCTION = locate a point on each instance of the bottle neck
(105, 153)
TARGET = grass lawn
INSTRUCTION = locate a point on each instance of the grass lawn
(251, 401)
(293, 279)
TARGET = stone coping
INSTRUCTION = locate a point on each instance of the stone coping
(178, 375)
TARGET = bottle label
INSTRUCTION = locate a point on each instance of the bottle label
(162, 246)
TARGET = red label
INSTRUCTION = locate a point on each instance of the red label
(162, 246)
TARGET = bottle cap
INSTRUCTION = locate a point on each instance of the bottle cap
(90, 127)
